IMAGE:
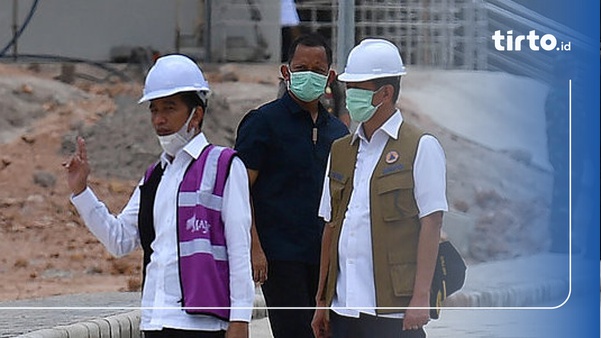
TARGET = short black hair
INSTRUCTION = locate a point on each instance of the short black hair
(191, 99)
(310, 40)
(394, 81)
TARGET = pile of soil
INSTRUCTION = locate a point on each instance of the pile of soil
(46, 248)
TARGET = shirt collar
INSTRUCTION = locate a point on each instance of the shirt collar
(390, 127)
(192, 149)
(294, 108)
(290, 104)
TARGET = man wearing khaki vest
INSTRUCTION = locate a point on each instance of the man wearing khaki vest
(384, 196)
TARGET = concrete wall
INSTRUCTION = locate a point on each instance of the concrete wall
(89, 29)
(236, 36)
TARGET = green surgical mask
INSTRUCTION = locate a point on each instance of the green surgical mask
(307, 86)
(358, 104)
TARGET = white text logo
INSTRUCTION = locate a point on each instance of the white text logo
(195, 225)
(509, 42)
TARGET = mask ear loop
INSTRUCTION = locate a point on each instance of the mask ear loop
(190, 119)
(372, 98)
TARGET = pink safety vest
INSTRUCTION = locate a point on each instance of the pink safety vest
(203, 261)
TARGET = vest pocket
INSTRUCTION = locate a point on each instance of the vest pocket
(402, 273)
(337, 184)
(395, 193)
(402, 277)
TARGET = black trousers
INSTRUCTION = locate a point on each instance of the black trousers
(291, 284)
(367, 326)
(174, 333)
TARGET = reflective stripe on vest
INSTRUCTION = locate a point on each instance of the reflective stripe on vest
(202, 245)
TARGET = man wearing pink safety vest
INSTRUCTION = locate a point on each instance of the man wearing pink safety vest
(190, 214)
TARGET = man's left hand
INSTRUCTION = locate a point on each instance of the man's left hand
(237, 330)
(417, 318)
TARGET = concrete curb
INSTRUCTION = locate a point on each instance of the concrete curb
(521, 282)
(125, 325)
(517, 296)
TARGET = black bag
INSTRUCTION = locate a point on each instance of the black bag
(449, 276)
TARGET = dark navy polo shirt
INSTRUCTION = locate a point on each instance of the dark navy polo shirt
(276, 139)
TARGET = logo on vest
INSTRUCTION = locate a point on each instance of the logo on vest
(392, 157)
(195, 225)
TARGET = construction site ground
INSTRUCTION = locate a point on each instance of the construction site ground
(499, 182)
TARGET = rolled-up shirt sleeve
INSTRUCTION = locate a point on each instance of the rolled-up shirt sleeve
(118, 233)
(429, 174)
(236, 215)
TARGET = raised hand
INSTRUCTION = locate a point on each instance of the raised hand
(78, 168)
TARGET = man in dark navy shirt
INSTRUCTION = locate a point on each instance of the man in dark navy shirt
(285, 146)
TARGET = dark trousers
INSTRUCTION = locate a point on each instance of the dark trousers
(174, 333)
(291, 284)
(367, 326)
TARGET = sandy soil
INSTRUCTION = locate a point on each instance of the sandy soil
(46, 250)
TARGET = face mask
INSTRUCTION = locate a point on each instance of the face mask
(358, 104)
(307, 86)
(173, 143)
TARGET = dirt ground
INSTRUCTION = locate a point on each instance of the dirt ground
(46, 250)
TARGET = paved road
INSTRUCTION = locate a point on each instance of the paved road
(540, 282)
(19, 317)
(477, 323)
(468, 323)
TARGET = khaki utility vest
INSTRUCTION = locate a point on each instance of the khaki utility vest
(394, 216)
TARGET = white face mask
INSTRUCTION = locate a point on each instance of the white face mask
(175, 142)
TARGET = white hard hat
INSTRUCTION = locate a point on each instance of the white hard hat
(173, 74)
(373, 59)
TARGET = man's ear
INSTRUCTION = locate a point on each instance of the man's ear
(388, 92)
(331, 76)
(383, 94)
(285, 71)
(196, 120)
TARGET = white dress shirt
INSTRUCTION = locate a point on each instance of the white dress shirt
(161, 307)
(355, 289)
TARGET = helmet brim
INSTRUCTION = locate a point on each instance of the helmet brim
(157, 94)
(347, 77)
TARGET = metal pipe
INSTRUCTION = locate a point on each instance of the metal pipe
(207, 31)
(200, 27)
(15, 28)
(346, 32)
(177, 27)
